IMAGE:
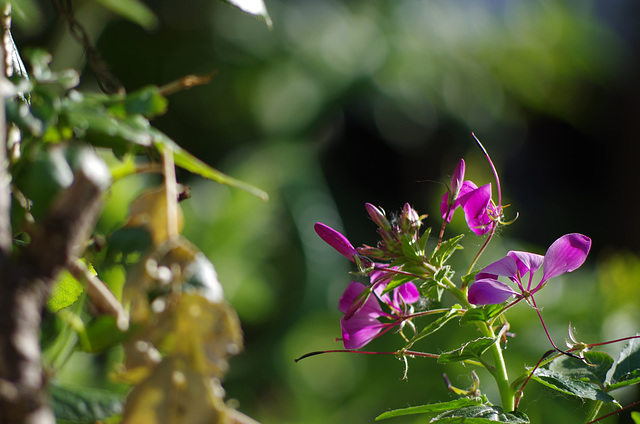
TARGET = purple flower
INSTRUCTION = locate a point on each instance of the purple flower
(370, 319)
(336, 240)
(566, 254)
(475, 202)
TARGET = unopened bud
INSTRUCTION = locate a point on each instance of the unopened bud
(378, 216)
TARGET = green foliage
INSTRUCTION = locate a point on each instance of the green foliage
(481, 414)
(626, 369)
(430, 409)
(570, 386)
(470, 350)
(84, 405)
(65, 292)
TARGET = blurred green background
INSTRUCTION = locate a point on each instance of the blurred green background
(347, 102)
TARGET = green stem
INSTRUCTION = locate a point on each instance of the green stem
(595, 410)
(499, 371)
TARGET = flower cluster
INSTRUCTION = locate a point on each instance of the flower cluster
(399, 261)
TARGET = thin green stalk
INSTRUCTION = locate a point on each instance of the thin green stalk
(595, 410)
(499, 371)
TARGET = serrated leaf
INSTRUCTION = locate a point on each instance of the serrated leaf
(84, 405)
(480, 414)
(410, 249)
(133, 10)
(470, 350)
(65, 292)
(429, 409)
(627, 366)
(483, 314)
(252, 7)
(570, 386)
(595, 372)
(442, 254)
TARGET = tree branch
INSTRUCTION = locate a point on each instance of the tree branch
(25, 285)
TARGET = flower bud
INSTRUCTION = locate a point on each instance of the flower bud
(378, 216)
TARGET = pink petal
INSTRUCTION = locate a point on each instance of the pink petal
(358, 331)
(505, 267)
(351, 303)
(408, 292)
(489, 292)
(565, 255)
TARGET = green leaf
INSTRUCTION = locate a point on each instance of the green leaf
(84, 405)
(627, 366)
(147, 102)
(410, 249)
(636, 417)
(437, 324)
(422, 242)
(103, 333)
(133, 10)
(570, 386)
(442, 254)
(65, 292)
(252, 7)
(470, 350)
(428, 409)
(483, 314)
(481, 414)
(189, 162)
(595, 372)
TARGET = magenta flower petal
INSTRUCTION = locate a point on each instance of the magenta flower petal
(336, 240)
(408, 293)
(449, 204)
(475, 204)
(352, 304)
(505, 267)
(526, 262)
(357, 331)
(489, 292)
(566, 254)
(457, 179)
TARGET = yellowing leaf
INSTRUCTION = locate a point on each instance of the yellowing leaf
(150, 211)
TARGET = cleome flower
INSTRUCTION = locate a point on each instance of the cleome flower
(480, 213)
(566, 254)
(375, 313)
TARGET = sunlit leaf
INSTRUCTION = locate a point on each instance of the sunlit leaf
(427, 409)
(84, 404)
(65, 292)
(570, 385)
